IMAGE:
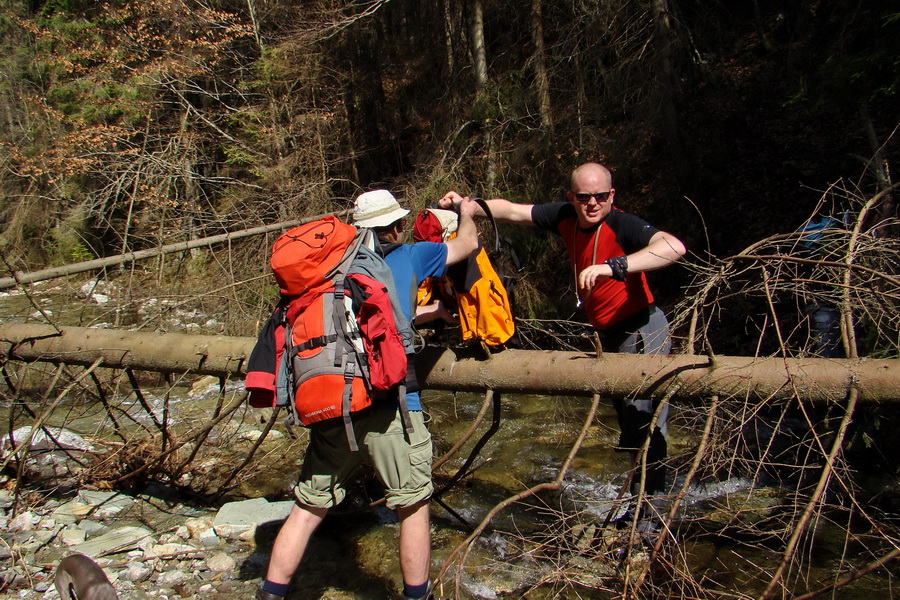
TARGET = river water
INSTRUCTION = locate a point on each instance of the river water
(550, 545)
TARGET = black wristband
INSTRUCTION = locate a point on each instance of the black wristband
(619, 267)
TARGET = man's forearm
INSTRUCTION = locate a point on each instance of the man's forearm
(664, 250)
(508, 212)
(466, 240)
(467, 228)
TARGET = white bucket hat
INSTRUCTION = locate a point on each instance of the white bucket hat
(377, 208)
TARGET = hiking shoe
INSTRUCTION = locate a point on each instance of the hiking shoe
(426, 596)
(263, 595)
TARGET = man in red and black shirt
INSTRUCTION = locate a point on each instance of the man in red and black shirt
(609, 252)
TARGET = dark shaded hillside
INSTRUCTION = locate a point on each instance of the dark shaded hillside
(765, 154)
(766, 135)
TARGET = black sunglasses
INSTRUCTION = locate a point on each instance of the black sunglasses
(599, 196)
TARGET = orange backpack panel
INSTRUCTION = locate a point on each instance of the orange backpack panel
(303, 257)
(319, 382)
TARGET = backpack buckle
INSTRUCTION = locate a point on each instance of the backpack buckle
(349, 371)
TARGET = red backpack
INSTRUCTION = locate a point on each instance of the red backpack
(334, 339)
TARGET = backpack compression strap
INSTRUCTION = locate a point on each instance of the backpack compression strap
(404, 410)
(294, 417)
(349, 372)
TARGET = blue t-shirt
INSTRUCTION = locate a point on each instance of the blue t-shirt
(410, 265)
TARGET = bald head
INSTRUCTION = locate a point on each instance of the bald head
(591, 193)
(591, 172)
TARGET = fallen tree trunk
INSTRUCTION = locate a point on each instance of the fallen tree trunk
(523, 371)
(110, 261)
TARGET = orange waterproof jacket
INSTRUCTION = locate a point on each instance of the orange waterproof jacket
(471, 287)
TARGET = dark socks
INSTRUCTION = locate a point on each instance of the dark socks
(278, 589)
(415, 591)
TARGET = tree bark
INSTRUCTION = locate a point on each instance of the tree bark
(521, 371)
(479, 53)
(665, 41)
(448, 40)
(542, 77)
(253, 20)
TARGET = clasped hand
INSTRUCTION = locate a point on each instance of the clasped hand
(451, 200)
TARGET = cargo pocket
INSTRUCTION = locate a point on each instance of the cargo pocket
(420, 456)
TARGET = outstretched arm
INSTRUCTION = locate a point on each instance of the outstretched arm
(663, 250)
(502, 209)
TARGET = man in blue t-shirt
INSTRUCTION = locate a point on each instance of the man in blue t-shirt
(401, 459)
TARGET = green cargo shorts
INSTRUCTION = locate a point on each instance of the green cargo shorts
(403, 464)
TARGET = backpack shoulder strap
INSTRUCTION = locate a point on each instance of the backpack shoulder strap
(487, 211)
(358, 241)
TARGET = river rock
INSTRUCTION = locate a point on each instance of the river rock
(238, 520)
(209, 539)
(197, 525)
(12, 578)
(72, 536)
(49, 456)
(117, 540)
(136, 572)
(92, 528)
(105, 504)
(172, 578)
(220, 562)
(203, 384)
(24, 521)
(40, 441)
(71, 511)
(168, 550)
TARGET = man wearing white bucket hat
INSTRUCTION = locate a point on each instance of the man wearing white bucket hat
(401, 459)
